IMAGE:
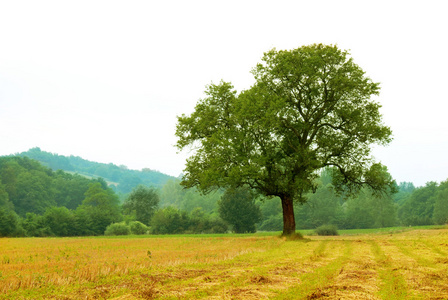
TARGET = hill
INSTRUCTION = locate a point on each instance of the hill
(120, 178)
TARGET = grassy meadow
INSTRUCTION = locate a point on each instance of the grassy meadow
(376, 264)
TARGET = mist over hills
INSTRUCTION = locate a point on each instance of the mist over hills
(119, 178)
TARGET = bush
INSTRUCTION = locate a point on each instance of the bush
(217, 226)
(169, 220)
(117, 229)
(326, 230)
(137, 227)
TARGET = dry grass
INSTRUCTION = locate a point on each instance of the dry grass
(407, 265)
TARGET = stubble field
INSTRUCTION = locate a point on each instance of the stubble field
(406, 265)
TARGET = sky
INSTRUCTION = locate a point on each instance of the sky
(106, 80)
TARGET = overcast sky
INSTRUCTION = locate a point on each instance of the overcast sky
(105, 80)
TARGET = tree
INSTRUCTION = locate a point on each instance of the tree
(238, 208)
(169, 220)
(441, 204)
(271, 212)
(373, 210)
(418, 209)
(98, 210)
(142, 202)
(27, 183)
(34, 225)
(4, 198)
(60, 220)
(322, 208)
(309, 108)
(9, 222)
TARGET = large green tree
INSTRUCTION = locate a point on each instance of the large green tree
(309, 108)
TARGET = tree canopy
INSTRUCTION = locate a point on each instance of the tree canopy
(310, 108)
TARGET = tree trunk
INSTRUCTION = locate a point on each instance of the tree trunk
(289, 222)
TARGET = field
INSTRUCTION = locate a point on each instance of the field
(410, 264)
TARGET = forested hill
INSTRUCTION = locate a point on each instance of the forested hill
(120, 178)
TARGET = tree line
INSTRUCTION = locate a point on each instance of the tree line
(121, 179)
(36, 201)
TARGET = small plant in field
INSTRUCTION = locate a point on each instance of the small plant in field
(6, 260)
(326, 230)
(117, 229)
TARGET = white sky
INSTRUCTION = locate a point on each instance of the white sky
(105, 80)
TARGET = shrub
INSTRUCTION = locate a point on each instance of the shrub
(169, 220)
(217, 226)
(117, 229)
(326, 230)
(137, 227)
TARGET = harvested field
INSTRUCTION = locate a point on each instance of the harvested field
(405, 265)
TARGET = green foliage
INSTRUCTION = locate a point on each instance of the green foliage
(323, 207)
(237, 207)
(9, 223)
(368, 210)
(4, 198)
(215, 225)
(125, 178)
(27, 186)
(405, 189)
(440, 215)
(418, 209)
(168, 220)
(310, 108)
(34, 225)
(60, 221)
(200, 222)
(364, 210)
(272, 223)
(69, 189)
(173, 194)
(99, 209)
(137, 227)
(326, 230)
(271, 212)
(142, 202)
(117, 229)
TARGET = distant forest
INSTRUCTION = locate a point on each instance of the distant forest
(38, 198)
(119, 178)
